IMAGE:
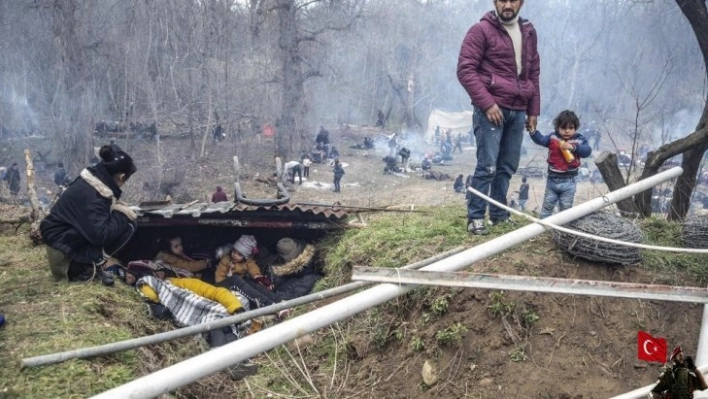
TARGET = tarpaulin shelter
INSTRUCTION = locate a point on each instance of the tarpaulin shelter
(457, 122)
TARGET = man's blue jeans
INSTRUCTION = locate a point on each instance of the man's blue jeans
(559, 190)
(498, 153)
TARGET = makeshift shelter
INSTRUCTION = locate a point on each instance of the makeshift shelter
(457, 122)
(210, 225)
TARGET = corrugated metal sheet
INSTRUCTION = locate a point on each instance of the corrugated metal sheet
(229, 209)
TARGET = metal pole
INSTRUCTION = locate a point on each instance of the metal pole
(550, 285)
(208, 363)
(702, 351)
(106, 349)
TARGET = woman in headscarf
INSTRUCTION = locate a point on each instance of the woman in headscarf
(88, 223)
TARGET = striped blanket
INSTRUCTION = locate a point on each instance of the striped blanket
(188, 308)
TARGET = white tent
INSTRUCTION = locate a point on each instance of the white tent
(457, 122)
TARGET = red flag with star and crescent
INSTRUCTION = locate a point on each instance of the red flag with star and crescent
(650, 348)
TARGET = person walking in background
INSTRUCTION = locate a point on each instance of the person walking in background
(499, 68)
(565, 148)
(380, 119)
(60, 177)
(392, 145)
(306, 162)
(12, 176)
(338, 173)
(293, 168)
(523, 194)
(596, 140)
(458, 143)
(405, 154)
(219, 195)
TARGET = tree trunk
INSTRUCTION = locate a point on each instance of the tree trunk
(293, 90)
(607, 165)
(686, 183)
(70, 116)
(37, 213)
(693, 145)
(697, 14)
(656, 158)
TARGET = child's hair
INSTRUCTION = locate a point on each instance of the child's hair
(523, 180)
(117, 161)
(566, 119)
(165, 243)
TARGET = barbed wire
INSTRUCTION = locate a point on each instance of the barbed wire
(602, 224)
(585, 235)
(695, 232)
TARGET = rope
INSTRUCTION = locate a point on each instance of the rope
(585, 235)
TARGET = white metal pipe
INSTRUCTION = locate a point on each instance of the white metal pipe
(208, 363)
(702, 351)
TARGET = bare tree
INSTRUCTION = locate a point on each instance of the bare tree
(694, 145)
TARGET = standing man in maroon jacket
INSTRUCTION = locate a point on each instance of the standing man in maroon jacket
(499, 67)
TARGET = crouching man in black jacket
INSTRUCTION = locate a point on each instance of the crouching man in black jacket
(88, 222)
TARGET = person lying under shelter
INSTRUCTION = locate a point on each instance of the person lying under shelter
(172, 253)
(190, 301)
(291, 268)
(238, 271)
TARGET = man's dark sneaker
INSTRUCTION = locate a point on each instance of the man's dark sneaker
(94, 273)
(106, 278)
(476, 227)
(85, 276)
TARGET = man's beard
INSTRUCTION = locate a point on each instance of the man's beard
(505, 18)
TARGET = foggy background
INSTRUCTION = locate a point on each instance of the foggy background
(633, 68)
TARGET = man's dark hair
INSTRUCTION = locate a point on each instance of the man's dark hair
(566, 119)
(117, 161)
(523, 180)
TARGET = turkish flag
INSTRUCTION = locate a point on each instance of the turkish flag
(650, 349)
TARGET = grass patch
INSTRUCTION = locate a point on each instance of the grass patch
(397, 239)
(44, 316)
(668, 264)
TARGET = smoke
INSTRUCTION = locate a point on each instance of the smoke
(673, 126)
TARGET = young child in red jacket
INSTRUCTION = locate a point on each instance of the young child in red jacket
(565, 148)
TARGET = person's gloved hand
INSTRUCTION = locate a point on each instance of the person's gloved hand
(690, 364)
(264, 281)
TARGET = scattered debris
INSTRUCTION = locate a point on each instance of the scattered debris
(429, 373)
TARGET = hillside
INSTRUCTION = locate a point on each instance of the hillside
(483, 344)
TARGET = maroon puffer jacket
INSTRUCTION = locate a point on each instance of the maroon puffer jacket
(487, 67)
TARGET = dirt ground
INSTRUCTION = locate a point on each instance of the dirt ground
(578, 347)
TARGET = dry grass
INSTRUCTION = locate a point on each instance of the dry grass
(44, 316)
